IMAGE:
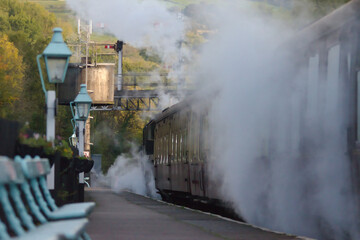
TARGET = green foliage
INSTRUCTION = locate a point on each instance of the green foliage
(11, 76)
(47, 146)
(58, 7)
(114, 132)
(195, 38)
(27, 137)
(29, 28)
(63, 125)
(323, 7)
(273, 11)
(64, 148)
(138, 61)
(138, 66)
(33, 142)
(149, 56)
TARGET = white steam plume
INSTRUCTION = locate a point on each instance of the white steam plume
(140, 23)
(276, 183)
(143, 24)
(277, 172)
(131, 172)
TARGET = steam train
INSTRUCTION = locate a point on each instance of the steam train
(327, 53)
(176, 141)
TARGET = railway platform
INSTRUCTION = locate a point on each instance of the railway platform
(130, 216)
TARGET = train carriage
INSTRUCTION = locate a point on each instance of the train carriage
(330, 62)
(326, 58)
(178, 150)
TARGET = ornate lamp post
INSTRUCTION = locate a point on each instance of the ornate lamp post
(56, 56)
(82, 104)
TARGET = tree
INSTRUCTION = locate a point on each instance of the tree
(11, 76)
(114, 132)
(29, 27)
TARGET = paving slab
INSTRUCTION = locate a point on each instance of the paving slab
(134, 217)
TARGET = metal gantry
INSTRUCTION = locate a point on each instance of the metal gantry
(143, 92)
(132, 91)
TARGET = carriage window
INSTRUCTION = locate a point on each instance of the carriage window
(158, 149)
(332, 88)
(158, 139)
(191, 138)
(171, 153)
(204, 138)
(156, 154)
(161, 147)
(176, 148)
(185, 147)
(195, 137)
(358, 107)
(172, 146)
(180, 147)
(164, 150)
(312, 85)
(349, 62)
(167, 142)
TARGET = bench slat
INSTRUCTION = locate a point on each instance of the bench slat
(14, 222)
(58, 230)
(36, 170)
(20, 207)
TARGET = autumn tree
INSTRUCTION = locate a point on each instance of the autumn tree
(29, 28)
(11, 76)
(114, 132)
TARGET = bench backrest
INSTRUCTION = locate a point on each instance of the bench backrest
(34, 167)
(8, 176)
(27, 185)
(7, 171)
(35, 171)
(25, 174)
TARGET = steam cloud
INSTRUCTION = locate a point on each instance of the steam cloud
(140, 23)
(143, 24)
(133, 173)
(277, 172)
(281, 160)
(130, 172)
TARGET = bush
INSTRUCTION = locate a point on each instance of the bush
(64, 148)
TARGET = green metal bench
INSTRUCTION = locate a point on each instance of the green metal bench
(35, 171)
(20, 224)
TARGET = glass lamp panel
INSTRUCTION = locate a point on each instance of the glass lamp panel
(56, 68)
(83, 110)
(73, 140)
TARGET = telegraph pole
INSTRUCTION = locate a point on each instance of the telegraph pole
(119, 49)
(85, 134)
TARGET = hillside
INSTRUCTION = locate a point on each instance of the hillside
(58, 7)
